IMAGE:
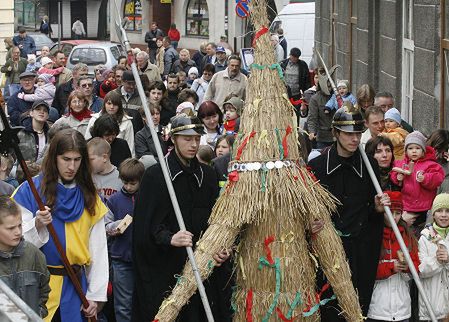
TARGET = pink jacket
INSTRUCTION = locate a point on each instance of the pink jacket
(50, 71)
(418, 196)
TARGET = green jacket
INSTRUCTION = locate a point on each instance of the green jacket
(11, 73)
(25, 271)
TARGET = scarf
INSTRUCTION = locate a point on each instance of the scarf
(440, 230)
(384, 177)
(84, 114)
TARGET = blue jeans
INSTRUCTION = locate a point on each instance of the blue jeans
(123, 287)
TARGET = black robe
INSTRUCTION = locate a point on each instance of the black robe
(156, 262)
(360, 225)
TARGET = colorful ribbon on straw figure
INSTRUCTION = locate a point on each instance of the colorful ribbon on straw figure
(275, 66)
(262, 31)
(249, 306)
(243, 145)
(281, 147)
(288, 131)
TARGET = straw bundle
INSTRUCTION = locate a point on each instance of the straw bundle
(271, 207)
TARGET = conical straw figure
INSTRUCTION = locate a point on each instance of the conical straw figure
(269, 201)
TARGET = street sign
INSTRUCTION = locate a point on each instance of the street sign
(242, 8)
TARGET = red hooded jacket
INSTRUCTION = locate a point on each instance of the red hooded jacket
(418, 196)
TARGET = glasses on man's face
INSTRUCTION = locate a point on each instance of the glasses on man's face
(86, 85)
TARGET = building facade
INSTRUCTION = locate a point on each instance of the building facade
(197, 20)
(400, 46)
(6, 25)
(93, 13)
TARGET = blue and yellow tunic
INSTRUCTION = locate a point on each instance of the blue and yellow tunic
(73, 225)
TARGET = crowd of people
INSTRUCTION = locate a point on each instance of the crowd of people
(88, 145)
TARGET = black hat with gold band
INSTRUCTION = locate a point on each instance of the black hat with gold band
(348, 119)
(186, 125)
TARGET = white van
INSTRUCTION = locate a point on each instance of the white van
(298, 22)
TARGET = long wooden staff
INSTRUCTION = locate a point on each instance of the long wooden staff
(10, 140)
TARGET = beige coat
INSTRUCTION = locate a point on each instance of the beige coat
(65, 76)
(80, 126)
(160, 59)
(221, 85)
(152, 72)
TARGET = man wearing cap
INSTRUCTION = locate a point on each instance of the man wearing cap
(226, 82)
(158, 244)
(296, 73)
(33, 137)
(184, 63)
(17, 106)
(25, 43)
(130, 99)
(63, 91)
(221, 63)
(358, 218)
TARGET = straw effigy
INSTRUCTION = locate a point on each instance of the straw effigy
(270, 200)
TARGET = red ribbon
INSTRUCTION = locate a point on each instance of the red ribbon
(259, 34)
(284, 141)
(282, 316)
(249, 306)
(267, 243)
(323, 289)
(311, 174)
(233, 176)
(297, 102)
(243, 145)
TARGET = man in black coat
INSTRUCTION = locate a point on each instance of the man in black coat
(150, 38)
(296, 73)
(359, 217)
(158, 245)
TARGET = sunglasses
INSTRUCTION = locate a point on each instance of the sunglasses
(86, 85)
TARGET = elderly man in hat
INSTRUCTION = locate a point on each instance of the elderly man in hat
(25, 43)
(158, 244)
(16, 106)
(358, 218)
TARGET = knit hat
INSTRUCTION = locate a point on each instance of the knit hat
(343, 83)
(393, 114)
(185, 105)
(47, 78)
(441, 201)
(45, 61)
(416, 137)
(396, 200)
(106, 73)
(31, 57)
(193, 70)
(236, 102)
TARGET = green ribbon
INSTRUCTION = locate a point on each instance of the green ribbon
(179, 279)
(339, 233)
(233, 298)
(210, 265)
(315, 308)
(272, 67)
(281, 148)
(297, 301)
(263, 175)
(277, 267)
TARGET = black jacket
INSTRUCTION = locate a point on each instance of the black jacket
(153, 34)
(155, 261)
(144, 143)
(61, 96)
(119, 151)
(303, 75)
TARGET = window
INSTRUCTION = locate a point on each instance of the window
(133, 13)
(88, 56)
(197, 19)
(408, 48)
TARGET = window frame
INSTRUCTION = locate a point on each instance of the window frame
(198, 19)
(134, 21)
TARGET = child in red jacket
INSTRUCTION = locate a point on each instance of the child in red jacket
(419, 188)
(391, 296)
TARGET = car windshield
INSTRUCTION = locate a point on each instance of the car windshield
(41, 40)
(88, 56)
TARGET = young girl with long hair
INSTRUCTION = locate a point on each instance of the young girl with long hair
(112, 105)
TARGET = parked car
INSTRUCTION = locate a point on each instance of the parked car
(105, 53)
(67, 45)
(40, 40)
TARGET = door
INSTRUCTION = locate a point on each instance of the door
(78, 9)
